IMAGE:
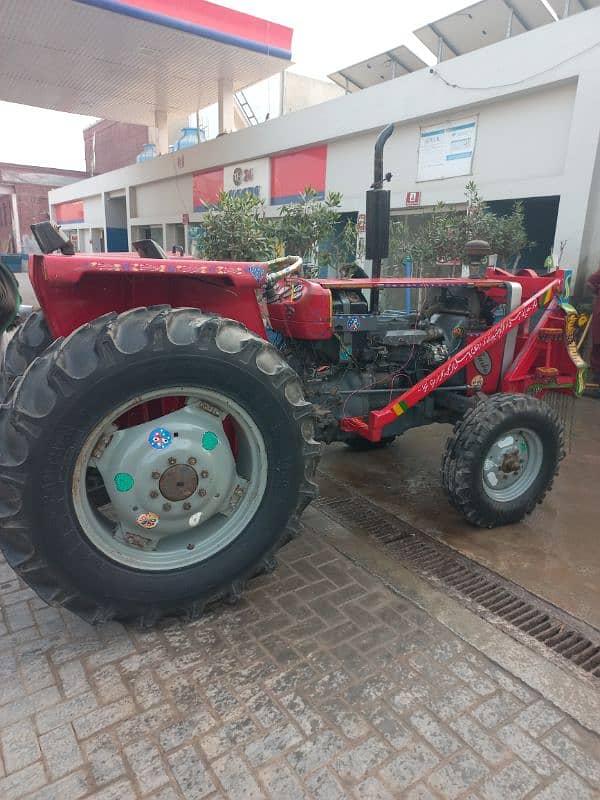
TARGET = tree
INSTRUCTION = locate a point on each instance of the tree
(444, 235)
(237, 230)
(302, 226)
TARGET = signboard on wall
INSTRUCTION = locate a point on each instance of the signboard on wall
(69, 213)
(413, 199)
(206, 188)
(292, 172)
(248, 177)
(446, 151)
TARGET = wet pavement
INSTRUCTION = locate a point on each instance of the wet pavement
(554, 553)
(323, 683)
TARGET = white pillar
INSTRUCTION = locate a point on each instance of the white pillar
(225, 89)
(159, 134)
(16, 225)
(282, 77)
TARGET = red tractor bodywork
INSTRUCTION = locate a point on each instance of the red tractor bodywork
(73, 290)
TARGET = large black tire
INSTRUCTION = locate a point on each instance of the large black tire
(72, 386)
(28, 342)
(467, 447)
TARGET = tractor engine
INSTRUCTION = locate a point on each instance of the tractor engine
(373, 357)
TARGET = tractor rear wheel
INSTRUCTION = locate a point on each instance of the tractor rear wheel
(152, 463)
(502, 458)
(28, 341)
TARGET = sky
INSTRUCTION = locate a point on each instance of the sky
(328, 35)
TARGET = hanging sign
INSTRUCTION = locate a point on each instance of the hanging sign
(446, 151)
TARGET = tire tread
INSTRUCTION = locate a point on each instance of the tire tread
(56, 373)
(466, 440)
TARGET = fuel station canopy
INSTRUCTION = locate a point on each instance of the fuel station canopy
(128, 60)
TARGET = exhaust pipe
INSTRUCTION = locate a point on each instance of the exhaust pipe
(378, 215)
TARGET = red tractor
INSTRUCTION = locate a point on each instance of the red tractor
(161, 416)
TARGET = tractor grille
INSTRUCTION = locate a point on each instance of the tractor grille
(523, 615)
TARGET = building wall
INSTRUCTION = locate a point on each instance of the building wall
(535, 101)
(163, 201)
(301, 91)
(24, 201)
(110, 145)
(520, 151)
(6, 224)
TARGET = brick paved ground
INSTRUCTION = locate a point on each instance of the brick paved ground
(321, 684)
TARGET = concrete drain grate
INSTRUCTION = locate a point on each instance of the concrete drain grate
(520, 611)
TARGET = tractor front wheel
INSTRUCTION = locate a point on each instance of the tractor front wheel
(152, 463)
(502, 458)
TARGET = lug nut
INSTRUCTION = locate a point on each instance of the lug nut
(192, 461)
(172, 460)
(187, 506)
(167, 507)
(156, 475)
(204, 473)
(202, 492)
(153, 493)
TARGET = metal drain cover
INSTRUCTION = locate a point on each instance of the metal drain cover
(478, 588)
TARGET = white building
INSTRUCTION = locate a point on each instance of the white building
(521, 117)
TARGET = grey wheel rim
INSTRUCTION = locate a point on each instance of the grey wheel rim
(512, 464)
(177, 493)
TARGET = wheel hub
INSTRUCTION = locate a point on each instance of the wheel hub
(178, 482)
(169, 475)
(512, 464)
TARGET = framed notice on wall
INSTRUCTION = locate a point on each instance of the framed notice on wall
(446, 151)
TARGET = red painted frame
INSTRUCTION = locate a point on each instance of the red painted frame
(73, 290)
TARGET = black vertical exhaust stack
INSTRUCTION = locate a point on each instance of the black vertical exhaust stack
(378, 214)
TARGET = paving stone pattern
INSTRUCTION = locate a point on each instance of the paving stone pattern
(321, 683)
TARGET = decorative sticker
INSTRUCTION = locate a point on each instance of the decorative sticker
(483, 363)
(147, 520)
(256, 272)
(209, 440)
(123, 482)
(353, 323)
(160, 439)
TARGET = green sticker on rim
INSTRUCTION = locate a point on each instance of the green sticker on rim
(124, 482)
(209, 440)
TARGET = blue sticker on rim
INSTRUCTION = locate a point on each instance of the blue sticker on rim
(160, 439)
